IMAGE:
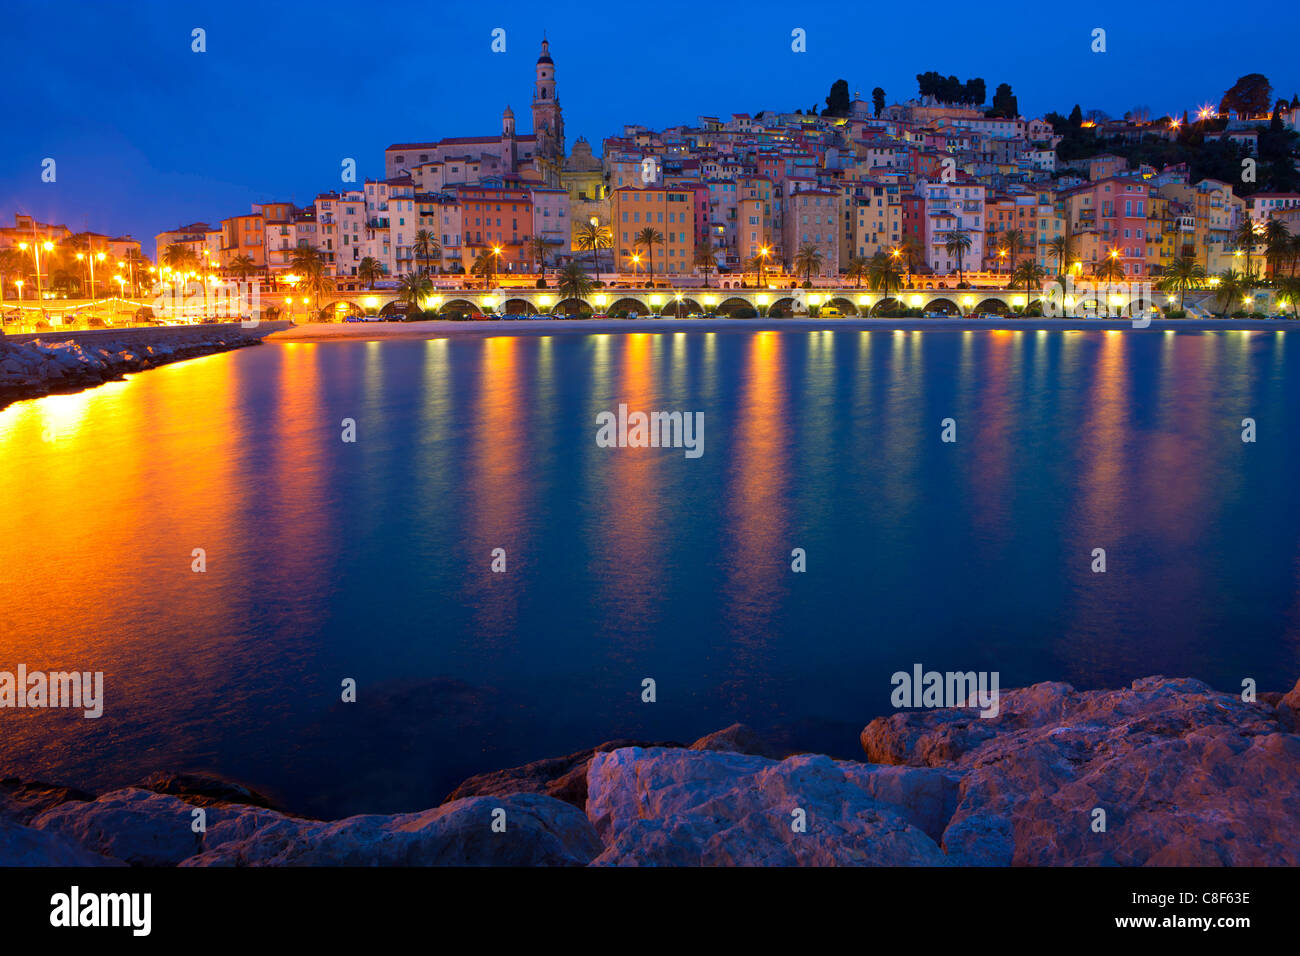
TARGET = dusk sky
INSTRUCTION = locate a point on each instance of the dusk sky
(148, 135)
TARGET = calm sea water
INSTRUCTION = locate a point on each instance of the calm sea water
(371, 560)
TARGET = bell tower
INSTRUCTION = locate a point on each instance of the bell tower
(548, 122)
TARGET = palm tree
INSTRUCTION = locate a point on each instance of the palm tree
(1061, 247)
(12, 264)
(1184, 273)
(1246, 237)
(369, 270)
(957, 244)
(574, 283)
(536, 247)
(308, 264)
(883, 274)
(426, 247)
(808, 260)
(413, 288)
(1110, 268)
(1277, 238)
(1289, 287)
(1031, 274)
(1013, 239)
(908, 251)
(1293, 251)
(706, 258)
(485, 264)
(178, 258)
(242, 266)
(1230, 285)
(857, 269)
(648, 238)
(592, 237)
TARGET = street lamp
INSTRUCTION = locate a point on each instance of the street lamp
(763, 253)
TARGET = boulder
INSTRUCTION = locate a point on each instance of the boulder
(1184, 775)
(1288, 710)
(738, 738)
(678, 807)
(139, 827)
(539, 831)
(24, 846)
(202, 789)
(564, 778)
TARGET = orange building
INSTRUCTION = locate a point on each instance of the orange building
(670, 212)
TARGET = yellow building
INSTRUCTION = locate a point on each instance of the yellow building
(670, 213)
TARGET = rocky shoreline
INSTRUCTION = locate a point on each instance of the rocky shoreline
(1165, 772)
(35, 366)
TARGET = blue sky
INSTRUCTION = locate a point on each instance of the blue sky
(148, 134)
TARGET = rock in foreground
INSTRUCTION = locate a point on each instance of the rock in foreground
(1185, 776)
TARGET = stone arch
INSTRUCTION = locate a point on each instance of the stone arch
(573, 306)
(459, 307)
(888, 303)
(844, 304)
(782, 308)
(996, 306)
(517, 306)
(628, 304)
(340, 308)
(393, 308)
(734, 304)
(943, 304)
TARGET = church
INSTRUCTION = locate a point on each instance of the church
(459, 160)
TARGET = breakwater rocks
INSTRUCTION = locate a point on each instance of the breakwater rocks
(1181, 774)
(32, 366)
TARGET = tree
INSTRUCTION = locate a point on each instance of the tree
(1277, 242)
(574, 283)
(536, 247)
(975, 92)
(957, 244)
(242, 266)
(858, 269)
(706, 258)
(1230, 286)
(485, 264)
(592, 237)
(12, 265)
(1013, 239)
(883, 274)
(1004, 103)
(413, 288)
(908, 252)
(1246, 238)
(837, 103)
(306, 262)
(1060, 247)
(648, 238)
(1250, 95)
(427, 247)
(1289, 289)
(1184, 273)
(370, 269)
(808, 259)
(1110, 269)
(1031, 274)
(1076, 116)
(878, 100)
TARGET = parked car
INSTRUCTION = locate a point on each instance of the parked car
(830, 312)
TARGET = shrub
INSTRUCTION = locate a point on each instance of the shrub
(745, 312)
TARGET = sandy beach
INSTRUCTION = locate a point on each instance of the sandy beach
(327, 332)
